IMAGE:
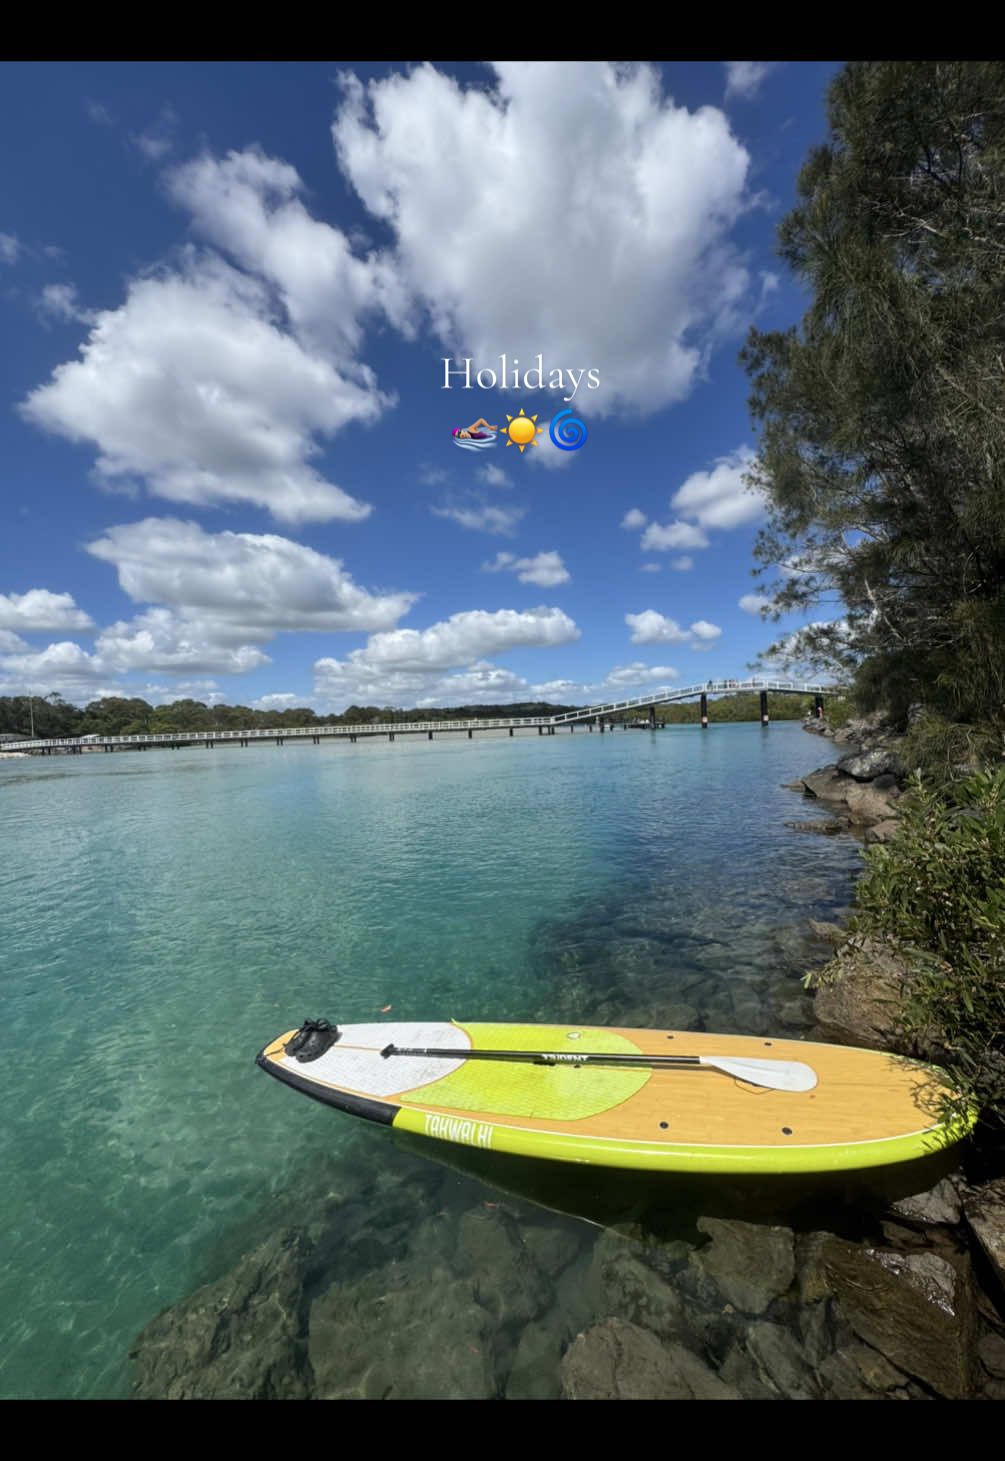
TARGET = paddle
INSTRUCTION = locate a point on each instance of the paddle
(775, 1075)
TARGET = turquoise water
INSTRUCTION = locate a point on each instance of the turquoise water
(162, 916)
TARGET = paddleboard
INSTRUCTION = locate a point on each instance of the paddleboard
(735, 1104)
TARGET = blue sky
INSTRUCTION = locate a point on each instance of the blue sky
(227, 292)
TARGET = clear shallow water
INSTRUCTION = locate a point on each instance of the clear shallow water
(163, 915)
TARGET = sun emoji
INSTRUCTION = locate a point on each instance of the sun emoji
(522, 430)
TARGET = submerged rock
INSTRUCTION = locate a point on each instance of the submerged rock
(240, 1338)
(749, 1264)
(534, 1372)
(402, 1333)
(616, 1360)
(507, 1281)
(780, 1362)
(916, 1308)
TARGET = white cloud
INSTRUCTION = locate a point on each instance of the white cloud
(544, 569)
(720, 498)
(468, 636)
(744, 78)
(717, 498)
(244, 585)
(213, 598)
(205, 690)
(406, 666)
(38, 609)
(754, 603)
(11, 643)
(658, 537)
(702, 629)
(160, 641)
(651, 627)
(623, 677)
(651, 568)
(192, 388)
(482, 517)
(682, 564)
(610, 191)
(277, 701)
(10, 248)
(249, 205)
(494, 476)
(63, 667)
(634, 519)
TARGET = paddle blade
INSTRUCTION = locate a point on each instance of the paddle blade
(776, 1075)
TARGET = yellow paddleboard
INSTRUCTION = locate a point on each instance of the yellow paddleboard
(709, 1103)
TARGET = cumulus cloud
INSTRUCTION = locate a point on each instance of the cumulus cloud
(406, 666)
(754, 603)
(10, 248)
(39, 609)
(64, 667)
(190, 387)
(343, 683)
(10, 643)
(651, 568)
(720, 497)
(250, 205)
(251, 585)
(482, 517)
(651, 627)
(544, 569)
(278, 700)
(658, 537)
(467, 636)
(649, 232)
(744, 78)
(682, 564)
(214, 599)
(159, 640)
(702, 630)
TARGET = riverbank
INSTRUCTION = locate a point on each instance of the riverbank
(859, 1001)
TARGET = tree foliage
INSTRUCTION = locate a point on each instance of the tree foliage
(882, 417)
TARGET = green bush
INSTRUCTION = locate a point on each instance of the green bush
(945, 749)
(936, 891)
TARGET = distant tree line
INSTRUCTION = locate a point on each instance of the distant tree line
(121, 716)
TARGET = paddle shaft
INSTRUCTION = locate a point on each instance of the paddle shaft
(551, 1057)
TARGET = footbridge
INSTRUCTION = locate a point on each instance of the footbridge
(627, 712)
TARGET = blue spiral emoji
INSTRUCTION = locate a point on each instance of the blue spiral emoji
(567, 435)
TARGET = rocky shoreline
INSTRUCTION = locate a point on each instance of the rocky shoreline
(426, 1283)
